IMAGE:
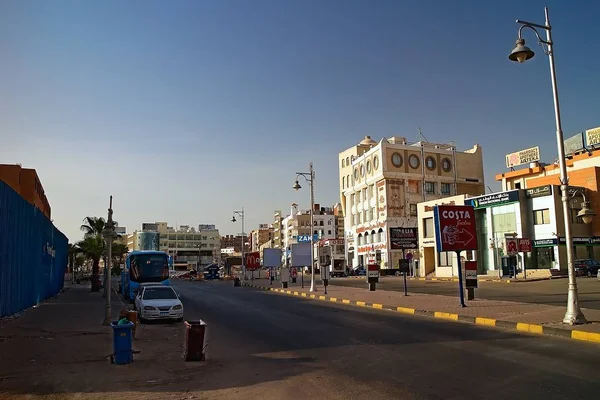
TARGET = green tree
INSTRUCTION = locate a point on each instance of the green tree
(93, 226)
(93, 247)
(73, 251)
(119, 250)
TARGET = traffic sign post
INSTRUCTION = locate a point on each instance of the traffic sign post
(471, 278)
(455, 231)
(404, 265)
(525, 246)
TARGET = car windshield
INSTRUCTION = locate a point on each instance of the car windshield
(165, 293)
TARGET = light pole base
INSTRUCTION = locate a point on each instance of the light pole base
(312, 289)
(574, 318)
(107, 321)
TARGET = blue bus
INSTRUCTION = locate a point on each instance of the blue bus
(144, 266)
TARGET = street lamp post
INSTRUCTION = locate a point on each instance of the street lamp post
(109, 234)
(240, 213)
(310, 178)
(522, 53)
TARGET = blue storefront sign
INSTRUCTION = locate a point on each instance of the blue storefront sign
(306, 238)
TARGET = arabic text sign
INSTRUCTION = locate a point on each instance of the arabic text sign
(455, 228)
(592, 136)
(523, 157)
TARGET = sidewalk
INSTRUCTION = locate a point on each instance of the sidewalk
(534, 318)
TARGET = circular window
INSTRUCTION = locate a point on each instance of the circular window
(446, 165)
(355, 174)
(375, 162)
(414, 161)
(362, 170)
(397, 160)
(430, 163)
(368, 167)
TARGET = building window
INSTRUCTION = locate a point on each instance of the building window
(430, 163)
(347, 161)
(445, 259)
(518, 185)
(348, 180)
(396, 160)
(329, 232)
(315, 233)
(343, 163)
(362, 170)
(414, 161)
(413, 209)
(428, 230)
(541, 217)
(371, 191)
(430, 187)
(321, 223)
(374, 213)
(355, 174)
(446, 189)
(329, 222)
(352, 199)
(368, 167)
(446, 165)
(343, 182)
(375, 162)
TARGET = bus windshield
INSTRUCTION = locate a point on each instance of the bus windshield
(149, 268)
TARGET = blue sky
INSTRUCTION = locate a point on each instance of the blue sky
(187, 110)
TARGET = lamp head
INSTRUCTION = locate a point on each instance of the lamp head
(586, 213)
(296, 186)
(521, 53)
(233, 219)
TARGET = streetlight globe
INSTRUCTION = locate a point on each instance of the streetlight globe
(521, 53)
(233, 219)
(296, 186)
(586, 213)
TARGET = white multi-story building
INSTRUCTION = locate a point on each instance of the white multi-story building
(381, 184)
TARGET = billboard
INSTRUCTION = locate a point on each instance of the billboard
(574, 144)
(523, 157)
(272, 257)
(403, 238)
(206, 227)
(151, 227)
(494, 199)
(301, 255)
(455, 228)
(592, 137)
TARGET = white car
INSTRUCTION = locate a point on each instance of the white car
(158, 302)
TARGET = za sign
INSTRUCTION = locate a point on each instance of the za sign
(455, 228)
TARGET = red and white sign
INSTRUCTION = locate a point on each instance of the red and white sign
(470, 269)
(455, 228)
(525, 245)
(512, 246)
(372, 271)
(252, 260)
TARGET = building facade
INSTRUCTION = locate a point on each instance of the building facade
(236, 242)
(382, 182)
(277, 230)
(26, 182)
(260, 236)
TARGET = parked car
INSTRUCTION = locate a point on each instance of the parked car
(158, 302)
(586, 267)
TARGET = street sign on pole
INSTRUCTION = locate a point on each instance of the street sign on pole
(455, 230)
(512, 246)
(252, 261)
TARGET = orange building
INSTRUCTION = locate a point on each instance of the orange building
(583, 170)
(26, 182)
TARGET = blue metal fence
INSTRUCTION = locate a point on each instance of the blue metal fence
(33, 254)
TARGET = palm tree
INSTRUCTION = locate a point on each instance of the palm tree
(73, 251)
(93, 248)
(93, 226)
(118, 251)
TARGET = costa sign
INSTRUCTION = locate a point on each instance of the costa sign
(252, 260)
(455, 228)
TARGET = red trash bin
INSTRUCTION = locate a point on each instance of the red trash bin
(194, 347)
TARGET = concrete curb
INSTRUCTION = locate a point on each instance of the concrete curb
(488, 322)
(480, 279)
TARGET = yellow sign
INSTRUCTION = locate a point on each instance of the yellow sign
(523, 157)
(592, 137)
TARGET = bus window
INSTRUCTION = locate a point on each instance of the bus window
(149, 268)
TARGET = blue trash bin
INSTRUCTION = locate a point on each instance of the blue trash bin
(122, 343)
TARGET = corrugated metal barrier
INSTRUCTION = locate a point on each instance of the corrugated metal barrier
(33, 254)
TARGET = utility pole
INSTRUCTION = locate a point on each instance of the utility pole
(109, 235)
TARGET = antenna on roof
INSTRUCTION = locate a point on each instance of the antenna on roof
(421, 136)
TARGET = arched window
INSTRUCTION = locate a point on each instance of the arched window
(321, 223)
(329, 232)
(367, 238)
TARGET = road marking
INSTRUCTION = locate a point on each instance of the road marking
(529, 328)
(312, 296)
(379, 306)
(345, 301)
(303, 295)
(434, 279)
(587, 336)
(445, 315)
(296, 293)
(333, 299)
(288, 291)
(322, 298)
(485, 321)
(361, 303)
(405, 310)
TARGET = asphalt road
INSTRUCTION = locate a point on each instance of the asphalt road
(272, 346)
(552, 292)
